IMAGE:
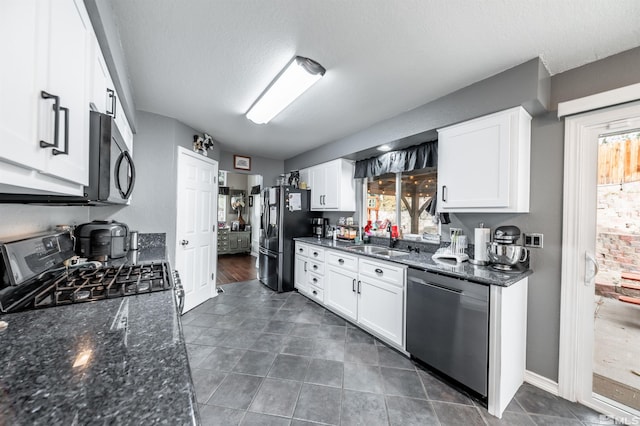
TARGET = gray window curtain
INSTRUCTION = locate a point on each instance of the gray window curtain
(413, 158)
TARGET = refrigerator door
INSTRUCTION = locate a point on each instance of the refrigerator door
(269, 271)
(270, 222)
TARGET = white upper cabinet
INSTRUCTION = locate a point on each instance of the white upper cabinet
(483, 164)
(102, 90)
(44, 126)
(104, 95)
(333, 186)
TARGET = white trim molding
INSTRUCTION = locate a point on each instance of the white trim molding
(541, 382)
(599, 100)
(582, 132)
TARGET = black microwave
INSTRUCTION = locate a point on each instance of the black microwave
(112, 174)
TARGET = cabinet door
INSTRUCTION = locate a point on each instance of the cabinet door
(332, 176)
(317, 177)
(300, 273)
(19, 24)
(245, 241)
(100, 81)
(494, 152)
(68, 65)
(340, 291)
(381, 309)
(234, 241)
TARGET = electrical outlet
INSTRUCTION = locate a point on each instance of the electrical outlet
(533, 240)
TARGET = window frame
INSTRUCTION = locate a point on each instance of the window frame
(363, 201)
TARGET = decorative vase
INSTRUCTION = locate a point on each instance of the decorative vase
(241, 221)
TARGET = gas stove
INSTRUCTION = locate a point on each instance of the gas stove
(36, 273)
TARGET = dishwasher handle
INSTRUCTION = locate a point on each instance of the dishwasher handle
(439, 287)
(446, 283)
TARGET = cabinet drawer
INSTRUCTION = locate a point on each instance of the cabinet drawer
(315, 294)
(316, 253)
(314, 266)
(302, 249)
(316, 280)
(337, 258)
(382, 271)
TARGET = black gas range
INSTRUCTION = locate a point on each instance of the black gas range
(40, 272)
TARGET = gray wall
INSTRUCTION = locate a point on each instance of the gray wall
(521, 85)
(19, 219)
(153, 202)
(513, 87)
(269, 169)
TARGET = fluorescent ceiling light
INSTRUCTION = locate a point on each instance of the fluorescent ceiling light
(299, 75)
(384, 148)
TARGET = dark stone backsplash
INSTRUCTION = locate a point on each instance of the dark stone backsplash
(152, 240)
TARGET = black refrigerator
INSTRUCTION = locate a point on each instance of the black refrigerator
(286, 214)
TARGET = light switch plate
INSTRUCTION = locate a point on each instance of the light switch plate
(533, 240)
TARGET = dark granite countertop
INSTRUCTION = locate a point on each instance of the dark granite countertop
(116, 361)
(423, 260)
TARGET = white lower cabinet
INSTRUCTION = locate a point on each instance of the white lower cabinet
(363, 290)
(381, 299)
(340, 293)
(300, 273)
(308, 273)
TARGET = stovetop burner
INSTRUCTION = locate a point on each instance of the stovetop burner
(90, 284)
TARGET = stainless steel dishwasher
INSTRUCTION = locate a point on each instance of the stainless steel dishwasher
(448, 326)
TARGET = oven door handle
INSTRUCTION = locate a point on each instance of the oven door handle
(179, 289)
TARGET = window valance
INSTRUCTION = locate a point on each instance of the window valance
(413, 158)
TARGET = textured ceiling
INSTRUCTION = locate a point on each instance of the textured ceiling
(204, 62)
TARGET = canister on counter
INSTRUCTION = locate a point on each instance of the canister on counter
(133, 244)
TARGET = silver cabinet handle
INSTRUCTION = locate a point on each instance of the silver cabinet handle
(359, 282)
(305, 266)
(589, 257)
(353, 285)
(444, 193)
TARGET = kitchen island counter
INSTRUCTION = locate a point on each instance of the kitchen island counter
(423, 260)
(113, 361)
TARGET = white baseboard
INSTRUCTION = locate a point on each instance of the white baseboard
(541, 382)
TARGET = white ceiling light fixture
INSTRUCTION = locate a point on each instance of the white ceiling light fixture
(298, 76)
(384, 148)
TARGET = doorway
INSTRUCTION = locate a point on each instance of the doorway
(600, 324)
(238, 226)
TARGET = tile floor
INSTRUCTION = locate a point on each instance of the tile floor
(262, 358)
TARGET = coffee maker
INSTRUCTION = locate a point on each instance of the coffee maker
(504, 254)
(319, 227)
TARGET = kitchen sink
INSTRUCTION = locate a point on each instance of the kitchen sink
(394, 253)
(377, 250)
(368, 249)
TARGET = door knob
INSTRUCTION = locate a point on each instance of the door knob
(184, 242)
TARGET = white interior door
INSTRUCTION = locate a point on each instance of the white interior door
(196, 227)
(580, 263)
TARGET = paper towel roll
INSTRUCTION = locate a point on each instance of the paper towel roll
(482, 237)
